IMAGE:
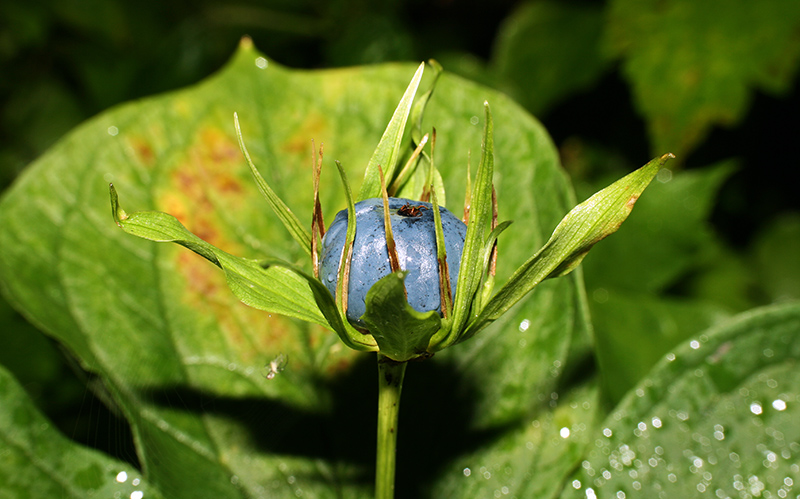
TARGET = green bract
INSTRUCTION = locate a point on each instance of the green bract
(396, 330)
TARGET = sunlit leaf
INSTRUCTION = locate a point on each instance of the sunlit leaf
(184, 360)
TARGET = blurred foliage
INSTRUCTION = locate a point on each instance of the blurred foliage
(714, 82)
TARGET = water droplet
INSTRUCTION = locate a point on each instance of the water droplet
(122, 477)
(670, 356)
(135, 482)
(779, 405)
(607, 432)
(261, 63)
(474, 120)
(524, 325)
(576, 484)
(137, 494)
(564, 432)
(756, 408)
(694, 344)
(467, 472)
(113, 131)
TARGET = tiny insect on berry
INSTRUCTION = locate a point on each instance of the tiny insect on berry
(409, 210)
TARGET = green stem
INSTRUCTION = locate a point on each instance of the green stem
(390, 384)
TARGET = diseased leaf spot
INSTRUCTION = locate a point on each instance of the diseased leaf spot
(632, 201)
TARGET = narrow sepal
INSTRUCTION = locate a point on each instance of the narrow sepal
(387, 154)
(282, 211)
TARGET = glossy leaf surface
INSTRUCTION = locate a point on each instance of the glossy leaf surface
(184, 360)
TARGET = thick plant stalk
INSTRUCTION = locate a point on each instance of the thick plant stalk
(390, 385)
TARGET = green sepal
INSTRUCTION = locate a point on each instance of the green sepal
(418, 110)
(347, 333)
(445, 293)
(470, 272)
(342, 283)
(274, 289)
(387, 154)
(283, 212)
(588, 223)
(401, 332)
(488, 283)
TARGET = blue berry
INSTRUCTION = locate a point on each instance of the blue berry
(414, 233)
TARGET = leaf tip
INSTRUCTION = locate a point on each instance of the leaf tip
(246, 43)
(666, 157)
(117, 212)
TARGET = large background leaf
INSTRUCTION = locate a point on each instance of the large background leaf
(181, 358)
(718, 415)
(693, 64)
(37, 461)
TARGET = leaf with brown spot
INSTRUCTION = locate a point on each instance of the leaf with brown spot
(182, 358)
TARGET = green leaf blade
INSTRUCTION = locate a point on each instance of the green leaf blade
(401, 332)
(714, 403)
(272, 289)
(38, 461)
(471, 271)
(388, 152)
(584, 226)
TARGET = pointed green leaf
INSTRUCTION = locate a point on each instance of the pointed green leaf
(388, 152)
(327, 305)
(401, 332)
(273, 289)
(583, 227)
(343, 279)
(470, 273)
(488, 285)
